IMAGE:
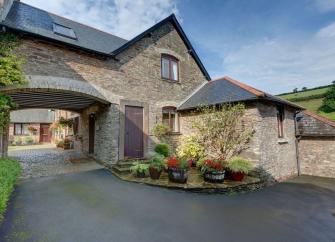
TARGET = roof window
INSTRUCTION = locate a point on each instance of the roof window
(64, 31)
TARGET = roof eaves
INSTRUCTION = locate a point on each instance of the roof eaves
(175, 22)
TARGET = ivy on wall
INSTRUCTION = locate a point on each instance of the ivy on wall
(10, 74)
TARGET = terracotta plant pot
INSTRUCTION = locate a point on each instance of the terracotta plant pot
(237, 176)
(214, 177)
(154, 173)
(178, 175)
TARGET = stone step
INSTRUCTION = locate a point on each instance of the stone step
(130, 163)
(123, 166)
(121, 170)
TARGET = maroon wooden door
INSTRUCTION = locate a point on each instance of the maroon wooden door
(91, 133)
(45, 136)
(133, 145)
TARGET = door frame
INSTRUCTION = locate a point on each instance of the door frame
(145, 106)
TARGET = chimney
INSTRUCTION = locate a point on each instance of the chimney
(5, 6)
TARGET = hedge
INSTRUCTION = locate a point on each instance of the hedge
(9, 172)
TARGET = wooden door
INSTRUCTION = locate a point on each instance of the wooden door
(91, 133)
(133, 146)
(45, 136)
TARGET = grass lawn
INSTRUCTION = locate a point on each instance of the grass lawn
(9, 172)
(313, 105)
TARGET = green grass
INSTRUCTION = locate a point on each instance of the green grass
(305, 93)
(9, 172)
(313, 104)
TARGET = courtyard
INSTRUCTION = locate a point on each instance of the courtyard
(97, 206)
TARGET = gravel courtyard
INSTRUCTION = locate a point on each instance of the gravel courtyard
(96, 206)
(47, 160)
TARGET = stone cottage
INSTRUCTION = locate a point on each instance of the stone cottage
(122, 88)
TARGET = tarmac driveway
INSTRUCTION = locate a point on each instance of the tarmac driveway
(95, 206)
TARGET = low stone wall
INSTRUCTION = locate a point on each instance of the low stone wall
(317, 156)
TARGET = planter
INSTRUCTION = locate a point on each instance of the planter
(237, 176)
(178, 175)
(66, 146)
(141, 174)
(214, 177)
(154, 173)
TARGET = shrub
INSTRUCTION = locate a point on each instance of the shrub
(239, 164)
(158, 162)
(9, 172)
(162, 149)
(28, 139)
(17, 140)
(140, 168)
(60, 143)
(160, 130)
(211, 166)
(190, 148)
(200, 162)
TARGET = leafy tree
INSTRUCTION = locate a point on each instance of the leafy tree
(333, 82)
(328, 104)
(304, 88)
(222, 131)
(295, 90)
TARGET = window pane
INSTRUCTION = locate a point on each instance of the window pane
(25, 130)
(18, 129)
(174, 71)
(165, 68)
(166, 119)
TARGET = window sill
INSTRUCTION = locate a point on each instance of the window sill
(282, 141)
(174, 133)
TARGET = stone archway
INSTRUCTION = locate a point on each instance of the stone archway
(53, 93)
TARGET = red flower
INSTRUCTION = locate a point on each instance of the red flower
(213, 165)
(173, 162)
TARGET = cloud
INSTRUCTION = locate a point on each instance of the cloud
(325, 5)
(279, 65)
(124, 18)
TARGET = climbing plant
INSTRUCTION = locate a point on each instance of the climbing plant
(10, 74)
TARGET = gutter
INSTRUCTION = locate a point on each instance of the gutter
(297, 139)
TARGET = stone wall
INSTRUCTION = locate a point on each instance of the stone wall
(317, 156)
(134, 75)
(273, 157)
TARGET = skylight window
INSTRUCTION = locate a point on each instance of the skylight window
(64, 31)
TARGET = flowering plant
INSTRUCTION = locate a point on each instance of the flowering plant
(175, 163)
(212, 166)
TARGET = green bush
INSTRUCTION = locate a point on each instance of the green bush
(239, 164)
(160, 130)
(28, 140)
(9, 171)
(162, 149)
(190, 148)
(158, 162)
(141, 168)
(17, 140)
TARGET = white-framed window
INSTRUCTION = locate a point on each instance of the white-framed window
(170, 67)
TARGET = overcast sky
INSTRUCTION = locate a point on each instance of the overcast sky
(273, 45)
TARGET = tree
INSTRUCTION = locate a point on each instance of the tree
(333, 82)
(328, 103)
(295, 90)
(304, 88)
(222, 131)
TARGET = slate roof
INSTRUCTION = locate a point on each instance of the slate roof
(225, 90)
(311, 124)
(31, 20)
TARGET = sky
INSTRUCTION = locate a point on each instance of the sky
(273, 45)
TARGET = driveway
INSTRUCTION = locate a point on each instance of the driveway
(47, 160)
(96, 206)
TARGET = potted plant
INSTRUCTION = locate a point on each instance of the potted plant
(162, 149)
(238, 167)
(177, 170)
(140, 170)
(67, 144)
(60, 144)
(213, 171)
(157, 165)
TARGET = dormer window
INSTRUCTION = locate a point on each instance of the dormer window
(64, 31)
(170, 67)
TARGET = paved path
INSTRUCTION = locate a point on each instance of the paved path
(46, 160)
(95, 206)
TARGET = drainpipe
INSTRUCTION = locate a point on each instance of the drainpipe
(297, 139)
